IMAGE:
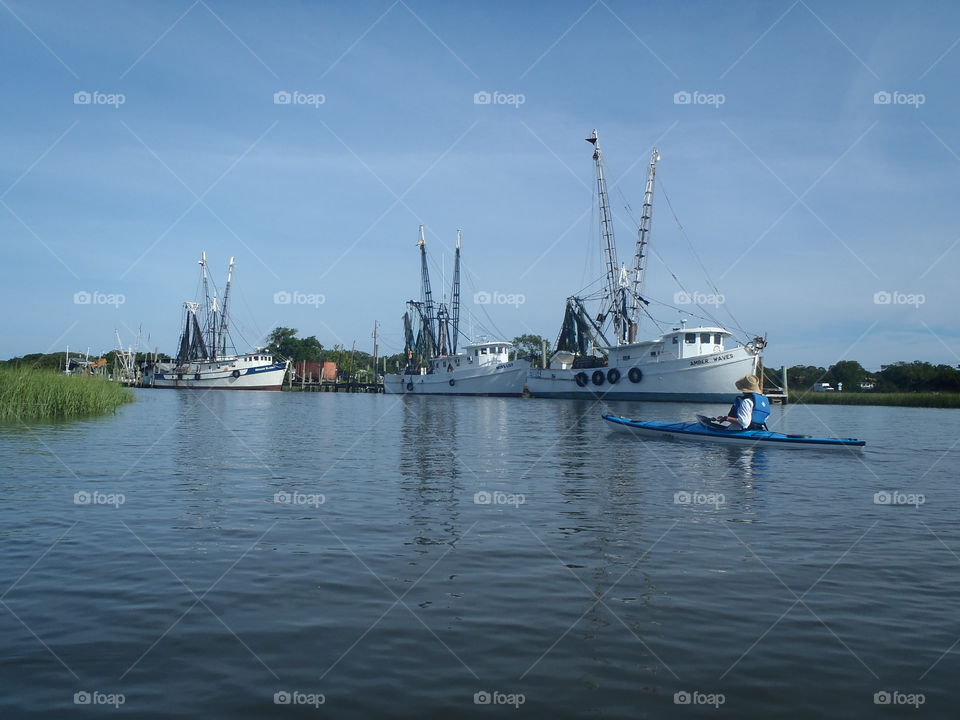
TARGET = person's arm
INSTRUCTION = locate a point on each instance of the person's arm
(745, 413)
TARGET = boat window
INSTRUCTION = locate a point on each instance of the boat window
(653, 354)
(690, 338)
(675, 340)
(705, 338)
(717, 339)
(483, 351)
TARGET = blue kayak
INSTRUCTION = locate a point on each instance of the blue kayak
(711, 432)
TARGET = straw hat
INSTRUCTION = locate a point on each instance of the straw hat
(749, 383)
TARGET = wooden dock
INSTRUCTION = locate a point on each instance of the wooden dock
(334, 386)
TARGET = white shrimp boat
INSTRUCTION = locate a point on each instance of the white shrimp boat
(697, 364)
(203, 361)
(434, 365)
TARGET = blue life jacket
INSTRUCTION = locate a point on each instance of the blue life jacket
(761, 408)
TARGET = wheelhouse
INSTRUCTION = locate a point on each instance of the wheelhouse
(679, 343)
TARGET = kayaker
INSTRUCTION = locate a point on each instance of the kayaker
(751, 410)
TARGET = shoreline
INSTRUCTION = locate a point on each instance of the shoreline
(915, 399)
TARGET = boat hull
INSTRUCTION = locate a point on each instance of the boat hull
(745, 438)
(221, 377)
(504, 380)
(707, 378)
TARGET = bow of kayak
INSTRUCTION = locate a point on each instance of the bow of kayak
(699, 431)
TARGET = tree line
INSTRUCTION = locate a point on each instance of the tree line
(916, 376)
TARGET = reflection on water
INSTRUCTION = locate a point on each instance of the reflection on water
(600, 594)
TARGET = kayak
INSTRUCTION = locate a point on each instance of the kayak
(712, 432)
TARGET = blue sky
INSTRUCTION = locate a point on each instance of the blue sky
(803, 196)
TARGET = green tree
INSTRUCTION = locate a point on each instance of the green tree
(284, 343)
(802, 377)
(849, 372)
(918, 376)
(530, 347)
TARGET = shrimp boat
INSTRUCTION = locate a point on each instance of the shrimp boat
(207, 358)
(697, 364)
(435, 366)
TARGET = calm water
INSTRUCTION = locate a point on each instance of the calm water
(782, 589)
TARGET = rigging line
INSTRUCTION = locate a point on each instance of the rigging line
(592, 237)
(696, 256)
(499, 333)
(468, 275)
(705, 317)
(708, 316)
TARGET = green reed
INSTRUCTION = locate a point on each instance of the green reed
(903, 399)
(28, 395)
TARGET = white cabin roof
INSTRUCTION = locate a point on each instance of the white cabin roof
(675, 331)
(489, 344)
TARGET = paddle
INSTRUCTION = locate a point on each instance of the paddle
(711, 423)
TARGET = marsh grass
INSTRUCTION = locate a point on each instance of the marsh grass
(906, 399)
(28, 395)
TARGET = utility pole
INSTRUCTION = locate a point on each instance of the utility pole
(376, 324)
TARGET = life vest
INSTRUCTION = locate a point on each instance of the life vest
(761, 408)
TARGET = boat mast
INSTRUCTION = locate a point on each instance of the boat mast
(643, 237)
(222, 347)
(614, 286)
(211, 305)
(455, 297)
(426, 294)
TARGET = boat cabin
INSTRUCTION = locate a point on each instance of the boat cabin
(475, 354)
(679, 343)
